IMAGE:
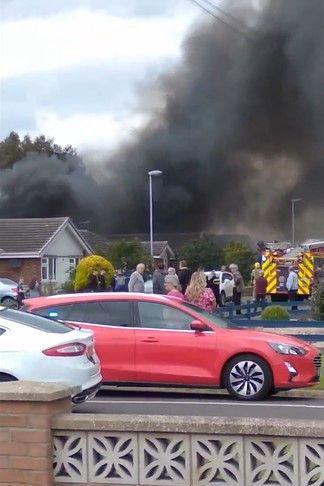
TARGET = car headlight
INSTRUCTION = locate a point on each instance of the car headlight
(288, 349)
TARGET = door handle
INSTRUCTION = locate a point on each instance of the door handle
(150, 340)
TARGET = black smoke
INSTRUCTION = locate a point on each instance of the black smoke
(237, 129)
(41, 186)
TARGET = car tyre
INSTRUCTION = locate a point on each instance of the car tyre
(9, 302)
(248, 377)
(223, 299)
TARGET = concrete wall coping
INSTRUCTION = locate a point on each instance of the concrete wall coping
(187, 425)
(32, 391)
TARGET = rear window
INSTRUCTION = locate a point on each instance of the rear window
(55, 312)
(7, 281)
(36, 322)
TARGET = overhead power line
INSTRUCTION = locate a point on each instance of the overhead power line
(234, 28)
(230, 16)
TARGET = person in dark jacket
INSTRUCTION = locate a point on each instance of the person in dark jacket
(184, 275)
(158, 279)
(261, 284)
(213, 284)
(93, 282)
(20, 292)
(102, 284)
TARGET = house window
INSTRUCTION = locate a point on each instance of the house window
(49, 268)
(73, 263)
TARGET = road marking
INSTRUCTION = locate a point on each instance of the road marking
(167, 402)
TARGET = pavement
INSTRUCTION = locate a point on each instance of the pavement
(197, 404)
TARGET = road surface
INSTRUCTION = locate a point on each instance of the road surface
(157, 403)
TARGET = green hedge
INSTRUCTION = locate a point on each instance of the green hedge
(275, 313)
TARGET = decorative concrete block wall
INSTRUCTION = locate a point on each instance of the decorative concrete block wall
(178, 451)
(43, 444)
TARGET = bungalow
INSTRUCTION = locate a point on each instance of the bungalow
(45, 248)
(162, 251)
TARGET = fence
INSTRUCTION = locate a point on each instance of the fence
(246, 315)
(253, 309)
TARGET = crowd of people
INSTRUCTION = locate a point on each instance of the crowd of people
(193, 287)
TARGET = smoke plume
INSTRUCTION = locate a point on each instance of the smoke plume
(237, 129)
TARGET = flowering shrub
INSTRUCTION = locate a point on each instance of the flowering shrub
(86, 266)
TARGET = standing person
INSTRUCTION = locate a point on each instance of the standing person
(34, 288)
(254, 275)
(198, 294)
(184, 275)
(223, 268)
(173, 273)
(292, 285)
(136, 281)
(171, 285)
(239, 285)
(20, 292)
(93, 281)
(102, 285)
(261, 284)
(158, 279)
(120, 282)
(213, 284)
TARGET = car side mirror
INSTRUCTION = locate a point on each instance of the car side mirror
(198, 326)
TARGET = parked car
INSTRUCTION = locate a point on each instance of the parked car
(8, 292)
(39, 349)
(147, 339)
(226, 284)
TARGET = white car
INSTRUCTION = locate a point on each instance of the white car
(225, 280)
(39, 349)
(8, 292)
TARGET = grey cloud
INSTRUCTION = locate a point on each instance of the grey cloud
(91, 88)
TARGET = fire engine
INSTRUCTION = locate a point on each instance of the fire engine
(275, 266)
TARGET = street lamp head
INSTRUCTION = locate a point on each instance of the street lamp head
(296, 200)
(155, 173)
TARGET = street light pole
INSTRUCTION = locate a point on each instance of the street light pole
(152, 173)
(293, 202)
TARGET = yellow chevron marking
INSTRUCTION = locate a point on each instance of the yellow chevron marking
(272, 290)
(303, 290)
(304, 271)
(265, 265)
(270, 272)
(308, 262)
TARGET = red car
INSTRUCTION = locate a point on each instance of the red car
(152, 339)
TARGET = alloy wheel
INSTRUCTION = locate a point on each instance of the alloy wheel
(246, 378)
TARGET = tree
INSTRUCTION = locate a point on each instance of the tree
(202, 253)
(126, 254)
(239, 253)
(12, 148)
(87, 265)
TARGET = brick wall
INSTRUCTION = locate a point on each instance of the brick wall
(26, 441)
(30, 267)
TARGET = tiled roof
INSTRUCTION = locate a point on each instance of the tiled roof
(27, 235)
(158, 247)
(97, 242)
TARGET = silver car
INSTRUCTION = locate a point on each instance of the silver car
(8, 292)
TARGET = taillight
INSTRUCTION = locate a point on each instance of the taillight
(72, 349)
(14, 290)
